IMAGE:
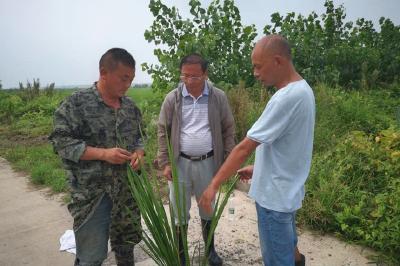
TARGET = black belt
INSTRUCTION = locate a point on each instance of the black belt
(198, 158)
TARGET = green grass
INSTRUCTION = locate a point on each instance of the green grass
(140, 94)
(23, 140)
(40, 161)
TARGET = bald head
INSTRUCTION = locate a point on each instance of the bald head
(272, 62)
(275, 45)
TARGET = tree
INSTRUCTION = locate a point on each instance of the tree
(215, 32)
(352, 55)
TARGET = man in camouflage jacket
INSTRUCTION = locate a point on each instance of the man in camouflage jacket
(97, 131)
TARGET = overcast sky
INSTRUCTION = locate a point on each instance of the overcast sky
(61, 41)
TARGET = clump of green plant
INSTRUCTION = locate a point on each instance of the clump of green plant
(8, 104)
(246, 104)
(339, 111)
(162, 241)
(149, 102)
(41, 162)
(32, 90)
(354, 189)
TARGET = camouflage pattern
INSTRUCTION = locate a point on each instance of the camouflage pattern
(84, 119)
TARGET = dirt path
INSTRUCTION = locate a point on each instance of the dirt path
(32, 222)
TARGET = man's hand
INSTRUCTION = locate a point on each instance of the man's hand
(246, 172)
(116, 155)
(167, 172)
(207, 197)
(137, 159)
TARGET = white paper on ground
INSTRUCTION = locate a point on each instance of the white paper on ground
(67, 242)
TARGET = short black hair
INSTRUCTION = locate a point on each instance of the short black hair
(112, 57)
(192, 59)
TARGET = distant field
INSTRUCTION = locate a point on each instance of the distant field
(140, 94)
(136, 93)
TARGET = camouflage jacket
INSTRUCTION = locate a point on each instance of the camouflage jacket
(84, 119)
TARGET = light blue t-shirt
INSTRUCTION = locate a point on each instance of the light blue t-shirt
(285, 131)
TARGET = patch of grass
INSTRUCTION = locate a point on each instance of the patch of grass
(247, 105)
(149, 103)
(339, 112)
(140, 94)
(41, 163)
(23, 135)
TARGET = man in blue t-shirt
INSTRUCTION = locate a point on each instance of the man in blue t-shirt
(282, 138)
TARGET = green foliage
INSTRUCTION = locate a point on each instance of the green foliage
(325, 48)
(160, 238)
(26, 116)
(149, 102)
(353, 168)
(339, 112)
(352, 55)
(32, 90)
(215, 32)
(354, 189)
(8, 104)
(41, 162)
(247, 105)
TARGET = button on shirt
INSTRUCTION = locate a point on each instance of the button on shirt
(195, 134)
(285, 131)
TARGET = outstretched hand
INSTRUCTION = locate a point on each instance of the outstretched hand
(206, 198)
(246, 172)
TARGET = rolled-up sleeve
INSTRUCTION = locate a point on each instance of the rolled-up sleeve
(63, 138)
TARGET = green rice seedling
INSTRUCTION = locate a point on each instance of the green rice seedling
(161, 239)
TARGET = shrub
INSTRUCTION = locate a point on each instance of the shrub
(247, 105)
(354, 190)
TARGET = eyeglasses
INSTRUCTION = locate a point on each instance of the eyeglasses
(193, 78)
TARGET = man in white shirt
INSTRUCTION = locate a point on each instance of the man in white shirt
(196, 121)
(282, 138)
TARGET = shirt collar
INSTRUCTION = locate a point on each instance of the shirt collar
(100, 99)
(204, 92)
(96, 92)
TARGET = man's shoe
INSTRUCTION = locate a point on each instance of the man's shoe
(213, 258)
(124, 256)
(301, 262)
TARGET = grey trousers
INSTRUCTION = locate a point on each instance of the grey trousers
(193, 178)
